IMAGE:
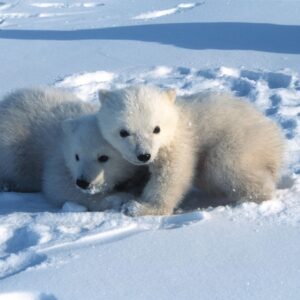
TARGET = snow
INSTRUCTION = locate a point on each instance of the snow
(87, 83)
(250, 251)
(26, 296)
(73, 207)
(64, 5)
(160, 13)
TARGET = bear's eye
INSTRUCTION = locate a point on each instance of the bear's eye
(77, 157)
(124, 133)
(103, 158)
(156, 130)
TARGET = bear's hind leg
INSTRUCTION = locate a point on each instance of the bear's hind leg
(256, 186)
(223, 171)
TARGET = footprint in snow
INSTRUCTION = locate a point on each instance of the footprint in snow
(18, 255)
(278, 80)
(22, 239)
(16, 263)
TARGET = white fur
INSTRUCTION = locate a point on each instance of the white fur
(81, 137)
(38, 147)
(29, 123)
(217, 142)
(127, 112)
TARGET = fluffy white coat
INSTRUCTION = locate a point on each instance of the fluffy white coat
(38, 148)
(217, 142)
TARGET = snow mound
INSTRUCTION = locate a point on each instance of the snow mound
(87, 84)
(161, 13)
(73, 207)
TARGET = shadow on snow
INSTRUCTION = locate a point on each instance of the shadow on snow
(198, 36)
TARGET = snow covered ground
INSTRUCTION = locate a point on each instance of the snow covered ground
(247, 252)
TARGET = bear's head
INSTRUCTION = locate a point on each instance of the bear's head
(138, 121)
(93, 164)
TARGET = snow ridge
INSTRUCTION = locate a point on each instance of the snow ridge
(161, 13)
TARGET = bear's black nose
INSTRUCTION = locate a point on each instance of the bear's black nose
(144, 157)
(82, 184)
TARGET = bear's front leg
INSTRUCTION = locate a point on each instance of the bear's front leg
(171, 176)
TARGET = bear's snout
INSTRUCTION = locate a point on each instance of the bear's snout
(144, 157)
(83, 184)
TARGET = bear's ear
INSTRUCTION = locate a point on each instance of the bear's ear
(171, 95)
(103, 95)
(69, 126)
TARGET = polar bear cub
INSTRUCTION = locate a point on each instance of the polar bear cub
(216, 141)
(29, 125)
(66, 159)
(84, 168)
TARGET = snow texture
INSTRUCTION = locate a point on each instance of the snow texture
(160, 13)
